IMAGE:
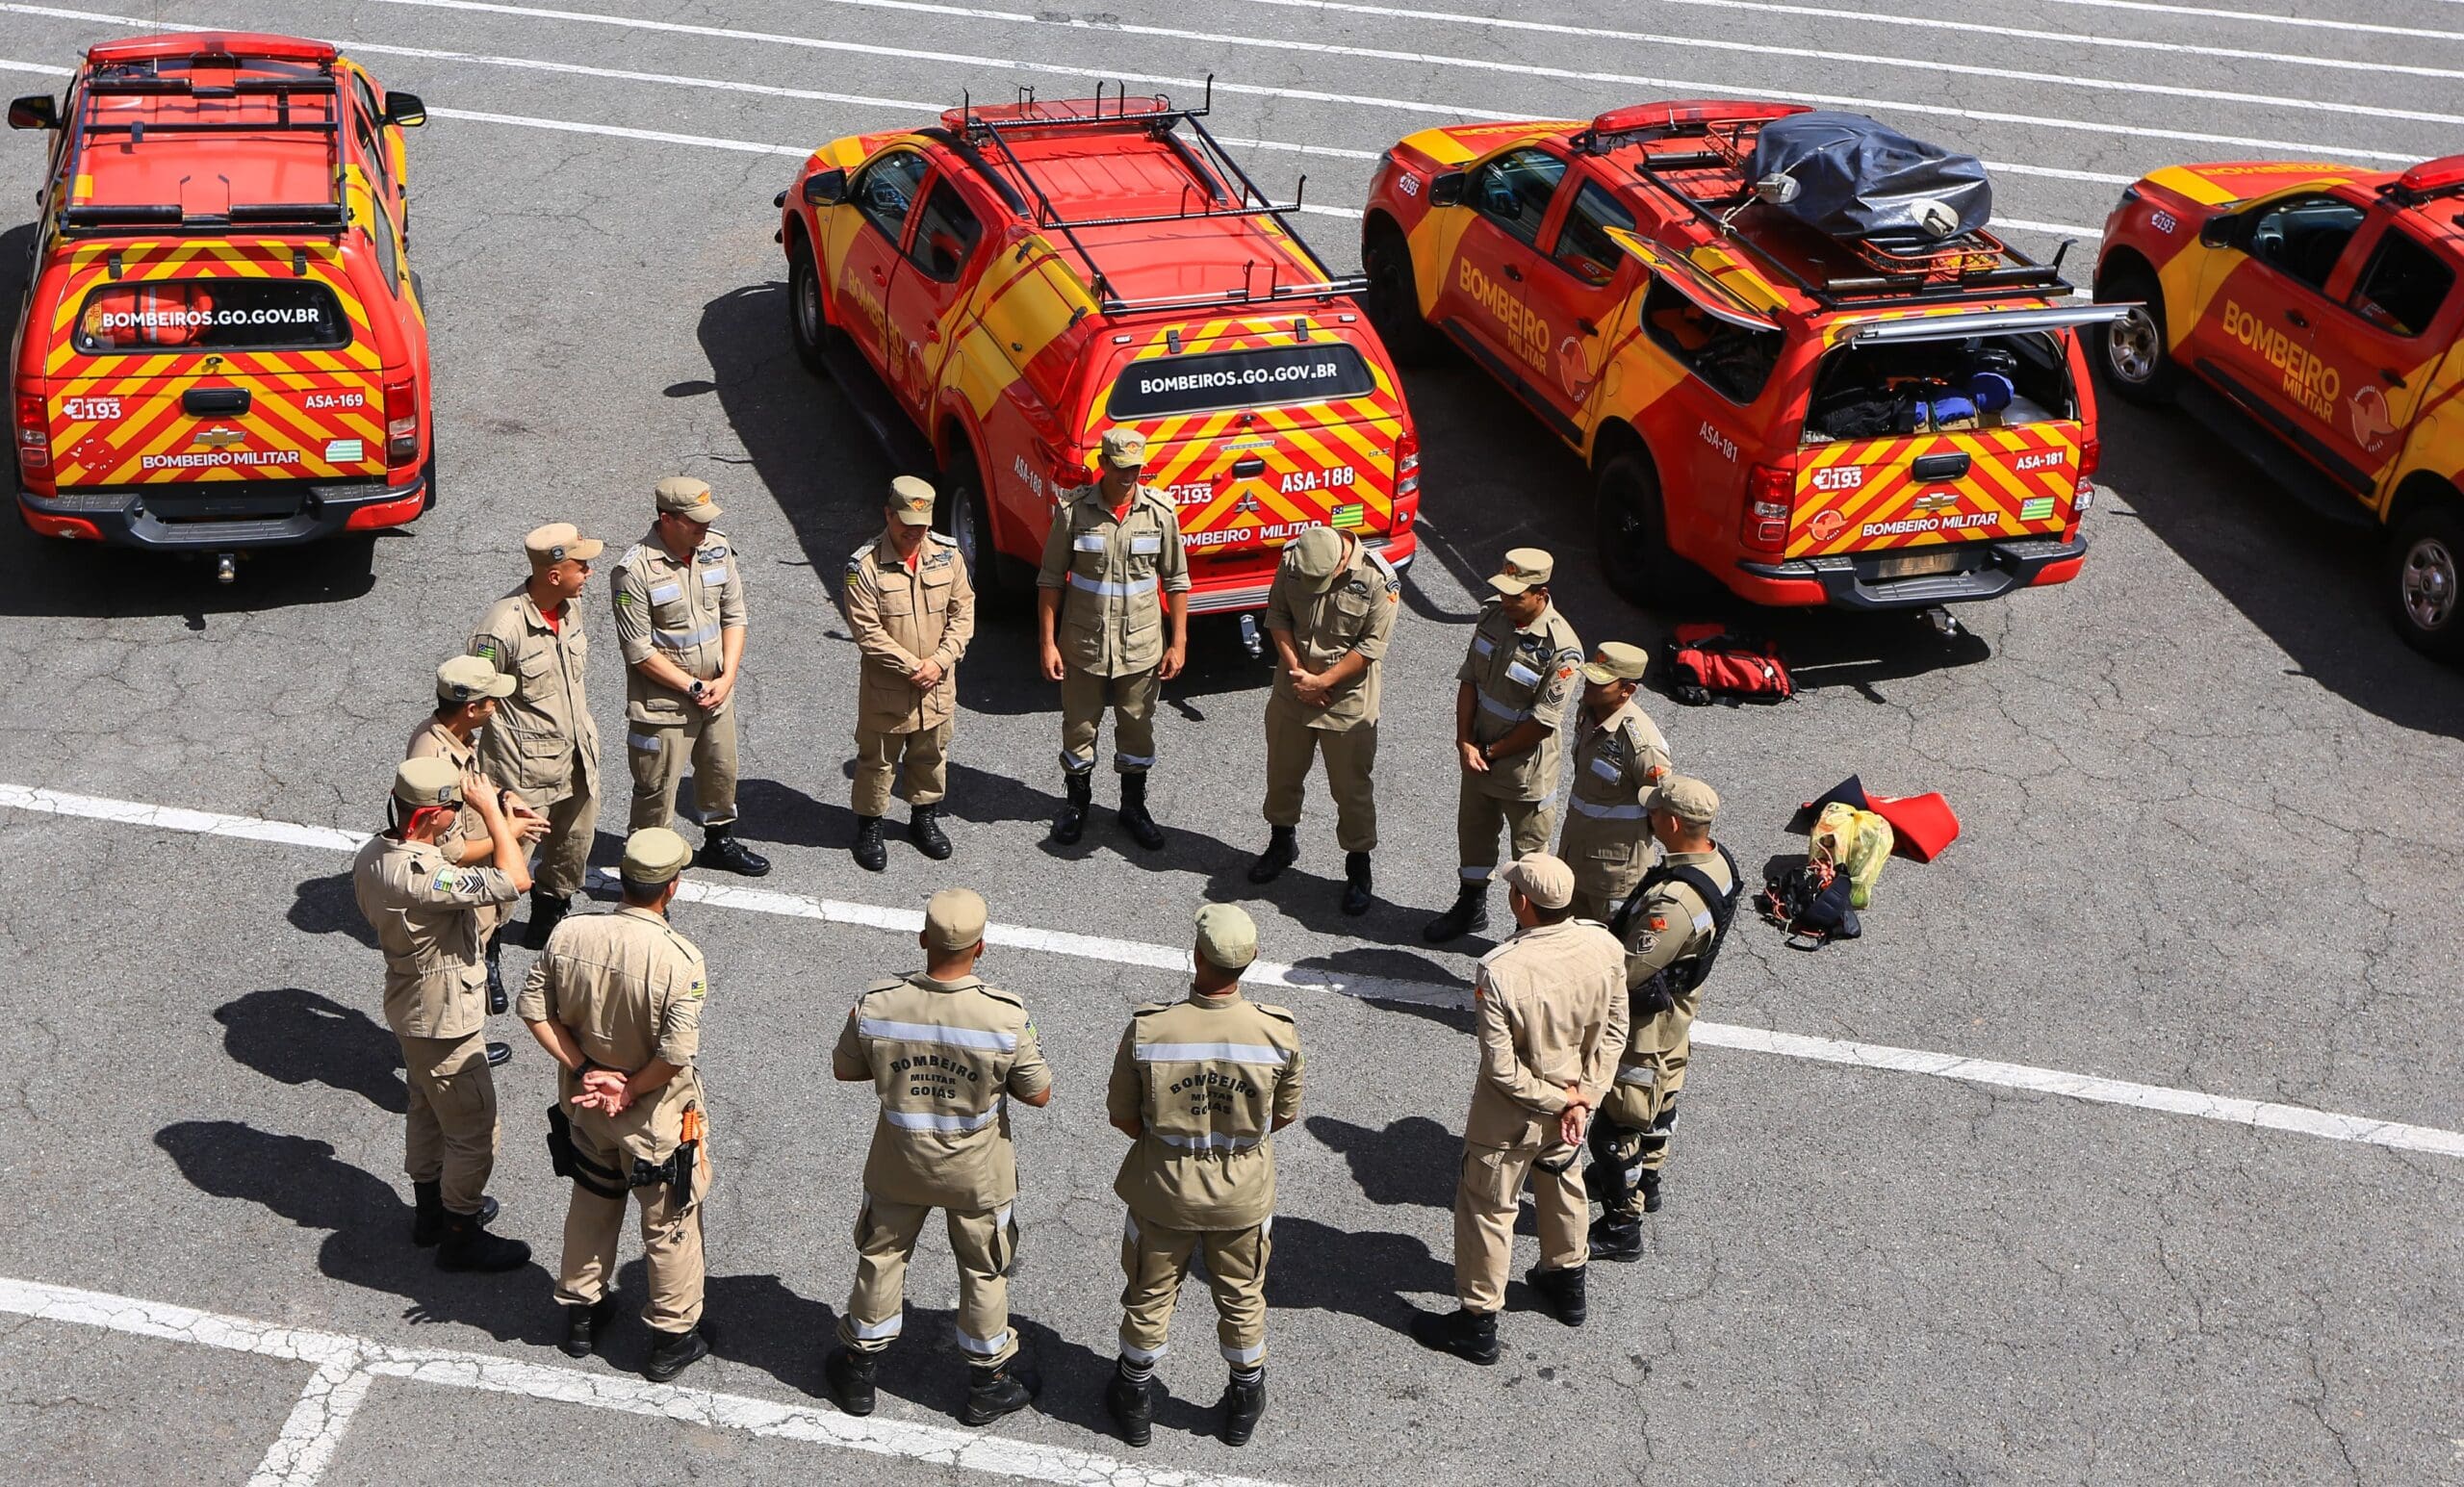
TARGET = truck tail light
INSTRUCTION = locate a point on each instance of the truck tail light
(33, 445)
(2090, 453)
(401, 423)
(1407, 465)
(1769, 500)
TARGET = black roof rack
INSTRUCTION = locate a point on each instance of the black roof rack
(120, 80)
(1229, 190)
(1975, 266)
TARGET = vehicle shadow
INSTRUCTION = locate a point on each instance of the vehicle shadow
(295, 1036)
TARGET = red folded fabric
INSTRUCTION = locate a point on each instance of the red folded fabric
(1923, 825)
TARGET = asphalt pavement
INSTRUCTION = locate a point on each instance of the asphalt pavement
(2204, 849)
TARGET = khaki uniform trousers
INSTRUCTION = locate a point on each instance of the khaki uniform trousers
(671, 1240)
(1083, 696)
(573, 825)
(924, 754)
(452, 1138)
(657, 751)
(1352, 756)
(1478, 820)
(983, 1244)
(1156, 1259)
(1485, 1203)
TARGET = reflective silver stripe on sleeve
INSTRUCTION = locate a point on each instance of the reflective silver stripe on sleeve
(1210, 1142)
(926, 1033)
(685, 639)
(1600, 812)
(1491, 704)
(925, 1120)
(1199, 1053)
(1106, 589)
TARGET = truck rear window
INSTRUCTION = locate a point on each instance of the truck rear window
(1209, 380)
(211, 314)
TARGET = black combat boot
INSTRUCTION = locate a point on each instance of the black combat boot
(924, 829)
(497, 1002)
(1071, 823)
(1283, 849)
(1616, 1239)
(868, 852)
(499, 1055)
(1134, 818)
(850, 1375)
(1563, 1292)
(1242, 1404)
(583, 1324)
(993, 1393)
(547, 910)
(673, 1352)
(1470, 912)
(1131, 1402)
(1356, 893)
(427, 1213)
(1471, 1335)
(721, 850)
(468, 1245)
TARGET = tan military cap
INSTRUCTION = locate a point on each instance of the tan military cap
(685, 496)
(911, 501)
(1546, 881)
(466, 678)
(429, 781)
(1315, 556)
(1124, 448)
(1227, 938)
(954, 919)
(1686, 799)
(558, 541)
(1616, 661)
(655, 854)
(1525, 568)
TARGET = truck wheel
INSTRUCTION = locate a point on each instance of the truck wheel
(2425, 580)
(966, 517)
(808, 326)
(1394, 302)
(427, 478)
(1629, 528)
(2133, 356)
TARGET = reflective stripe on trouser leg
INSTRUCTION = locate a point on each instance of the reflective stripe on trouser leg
(1236, 1270)
(885, 1237)
(1154, 1260)
(450, 1080)
(1290, 744)
(1133, 721)
(573, 823)
(1082, 717)
(984, 1242)
(1351, 760)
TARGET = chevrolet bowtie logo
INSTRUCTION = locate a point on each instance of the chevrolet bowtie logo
(218, 437)
(1935, 500)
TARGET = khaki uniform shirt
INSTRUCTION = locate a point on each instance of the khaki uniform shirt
(1207, 1078)
(1113, 577)
(426, 912)
(1671, 923)
(944, 1057)
(545, 727)
(900, 621)
(1553, 1012)
(1356, 612)
(679, 610)
(630, 989)
(433, 740)
(1607, 836)
(1521, 675)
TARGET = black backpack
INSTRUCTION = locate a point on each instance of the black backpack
(1659, 992)
(1810, 903)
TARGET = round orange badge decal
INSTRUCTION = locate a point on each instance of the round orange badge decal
(1825, 526)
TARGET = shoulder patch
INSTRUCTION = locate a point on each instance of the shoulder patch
(1377, 560)
(1277, 1012)
(1495, 951)
(630, 554)
(1151, 1008)
(1003, 997)
(947, 542)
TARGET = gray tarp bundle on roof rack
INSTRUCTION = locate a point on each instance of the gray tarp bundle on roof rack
(1863, 180)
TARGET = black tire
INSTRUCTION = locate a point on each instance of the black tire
(2423, 580)
(964, 516)
(1393, 299)
(2134, 356)
(1629, 531)
(428, 478)
(808, 324)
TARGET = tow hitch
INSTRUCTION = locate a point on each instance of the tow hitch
(1944, 624)
(226, 567)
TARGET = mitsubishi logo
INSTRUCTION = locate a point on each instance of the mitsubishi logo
(218, 437)
(1246, 505)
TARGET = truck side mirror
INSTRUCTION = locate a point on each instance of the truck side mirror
(824, 188)
(1447, 190)
(405, 109)
(35, 110)
(2223, 230)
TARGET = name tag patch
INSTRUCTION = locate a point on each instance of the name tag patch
(1146, 546)
(717, 574)
(1517, 672)
(667, 593)
(1606, 768)
(1482, 644)
(1088, 541)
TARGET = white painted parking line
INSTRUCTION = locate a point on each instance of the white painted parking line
(315, 1428)
(2169, 9)
(488, 1372)
(2227, 1110)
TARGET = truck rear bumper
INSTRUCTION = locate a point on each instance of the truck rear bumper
(1249, 591)
(223, 516)
(1988, 570)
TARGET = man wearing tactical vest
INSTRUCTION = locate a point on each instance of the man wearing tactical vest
(616, 1000)
(945, 1054)
(1672, 924)
(1201, 1087)
(1619, 755)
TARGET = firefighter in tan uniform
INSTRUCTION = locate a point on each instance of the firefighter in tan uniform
(1114, 576)
(616, 999)
(1201, 1087)
(1329, 613)
(430, 918)
(911, 609)
(1619, 755)
(1517, 678)
(679, 620)
(542, 743)
(1675, 922)
(945, 1054)
(1551, 1013)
